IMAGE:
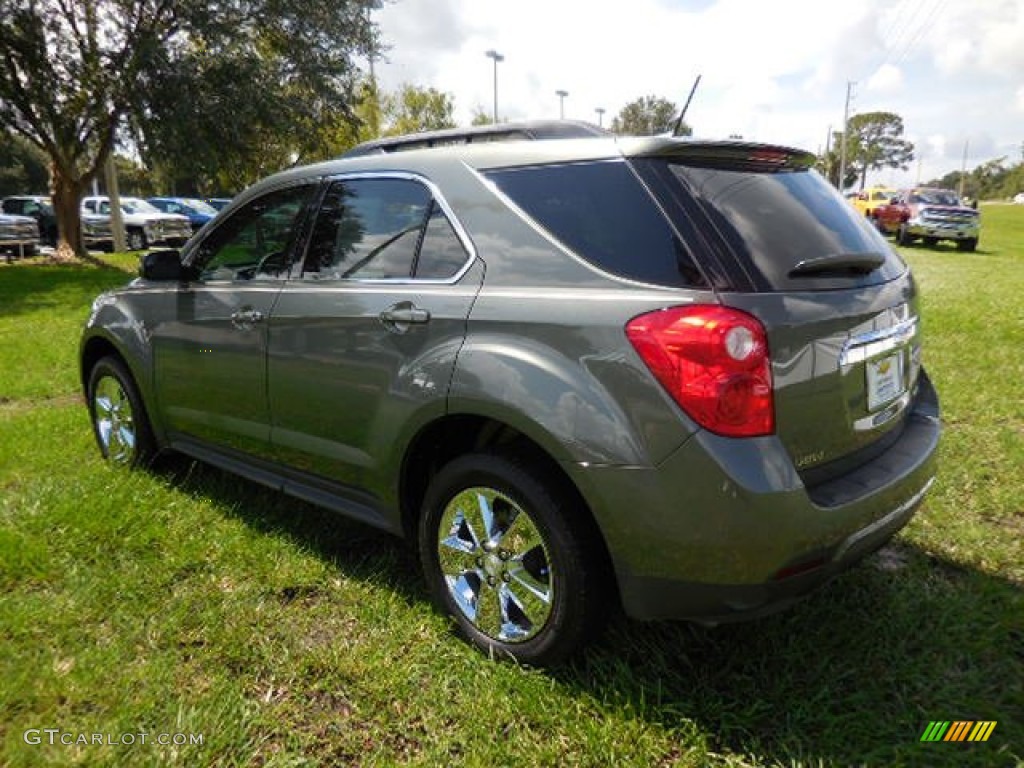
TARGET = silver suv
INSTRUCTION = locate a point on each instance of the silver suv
(682, 376)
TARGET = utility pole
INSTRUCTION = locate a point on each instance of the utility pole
(600, 116)
(846, 136)
(561, 103)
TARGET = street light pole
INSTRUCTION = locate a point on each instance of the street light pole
(493, 54)
(600, 116)
(561, 103)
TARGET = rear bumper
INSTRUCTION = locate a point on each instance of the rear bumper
(725, 530)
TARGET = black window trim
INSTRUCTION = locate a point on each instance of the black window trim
(436, 199)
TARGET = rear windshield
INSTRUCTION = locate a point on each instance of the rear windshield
(601, 212)
(772, 221)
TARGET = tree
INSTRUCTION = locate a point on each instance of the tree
(875, 142)
(648, 116)
(190, 80)
(481, 116)
(23, 168)
(829, 162)
(412, 109)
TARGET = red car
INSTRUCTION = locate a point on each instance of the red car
(929, 214)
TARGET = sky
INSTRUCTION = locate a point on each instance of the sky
(771, 70)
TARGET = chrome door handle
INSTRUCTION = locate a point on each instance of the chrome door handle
(247, 317)
(402, 315)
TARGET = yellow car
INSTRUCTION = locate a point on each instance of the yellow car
(867, 200)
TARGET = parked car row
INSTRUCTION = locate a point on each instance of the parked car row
(19, 236)
(30, 221)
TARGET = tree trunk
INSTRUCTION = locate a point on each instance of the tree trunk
(67, 196)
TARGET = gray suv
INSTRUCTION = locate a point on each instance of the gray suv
(679, 376)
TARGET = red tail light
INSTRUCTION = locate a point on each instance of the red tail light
(713, 361)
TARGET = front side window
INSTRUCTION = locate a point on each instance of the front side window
(257, 240)
(382, 228)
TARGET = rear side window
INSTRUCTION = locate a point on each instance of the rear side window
(603, 214)
(773, 221)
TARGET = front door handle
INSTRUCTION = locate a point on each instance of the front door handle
(246, 317)
(399, 317)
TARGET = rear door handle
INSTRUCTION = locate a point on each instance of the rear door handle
(400, 316)
(246, 318)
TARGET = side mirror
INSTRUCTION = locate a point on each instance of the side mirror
(164, 266)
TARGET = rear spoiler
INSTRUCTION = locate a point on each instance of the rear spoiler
(725, 155)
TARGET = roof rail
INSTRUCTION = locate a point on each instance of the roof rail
(521, 131)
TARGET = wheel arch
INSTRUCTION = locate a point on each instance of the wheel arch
(97, 346)
(455, 435)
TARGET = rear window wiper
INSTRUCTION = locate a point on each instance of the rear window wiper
(839, 263)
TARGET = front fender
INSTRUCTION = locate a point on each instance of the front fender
(115, 324)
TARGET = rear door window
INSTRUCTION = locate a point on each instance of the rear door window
(601, 212)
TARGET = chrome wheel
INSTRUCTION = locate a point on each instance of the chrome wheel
(115, 421)
(495, 564)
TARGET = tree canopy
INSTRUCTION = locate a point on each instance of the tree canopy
(245, 82)
(411, 109)
(876, 142)
(647, 116)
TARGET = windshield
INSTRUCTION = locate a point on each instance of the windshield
(774, 222)
(135, 205)
(198, 206)
(935, 197)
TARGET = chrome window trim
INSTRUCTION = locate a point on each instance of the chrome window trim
(436, 196)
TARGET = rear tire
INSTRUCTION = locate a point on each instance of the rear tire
(119, 420)
(930, 242)
(136, 240)
(902, 236)
(504, 554)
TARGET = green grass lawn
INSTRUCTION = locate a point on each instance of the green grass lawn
(184, 600)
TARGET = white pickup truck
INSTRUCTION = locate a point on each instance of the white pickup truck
(144, 224)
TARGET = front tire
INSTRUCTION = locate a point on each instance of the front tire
(970, 244)
(504, 554)
(903, 237)
(119, 420)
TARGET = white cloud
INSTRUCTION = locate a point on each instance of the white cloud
(886, 79)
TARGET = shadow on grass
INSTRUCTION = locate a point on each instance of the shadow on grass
(354, 549)
(31, 287)
(850, 676)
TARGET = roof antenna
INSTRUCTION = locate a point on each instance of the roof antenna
(686, 106)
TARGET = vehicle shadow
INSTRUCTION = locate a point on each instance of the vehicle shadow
(850, 676)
